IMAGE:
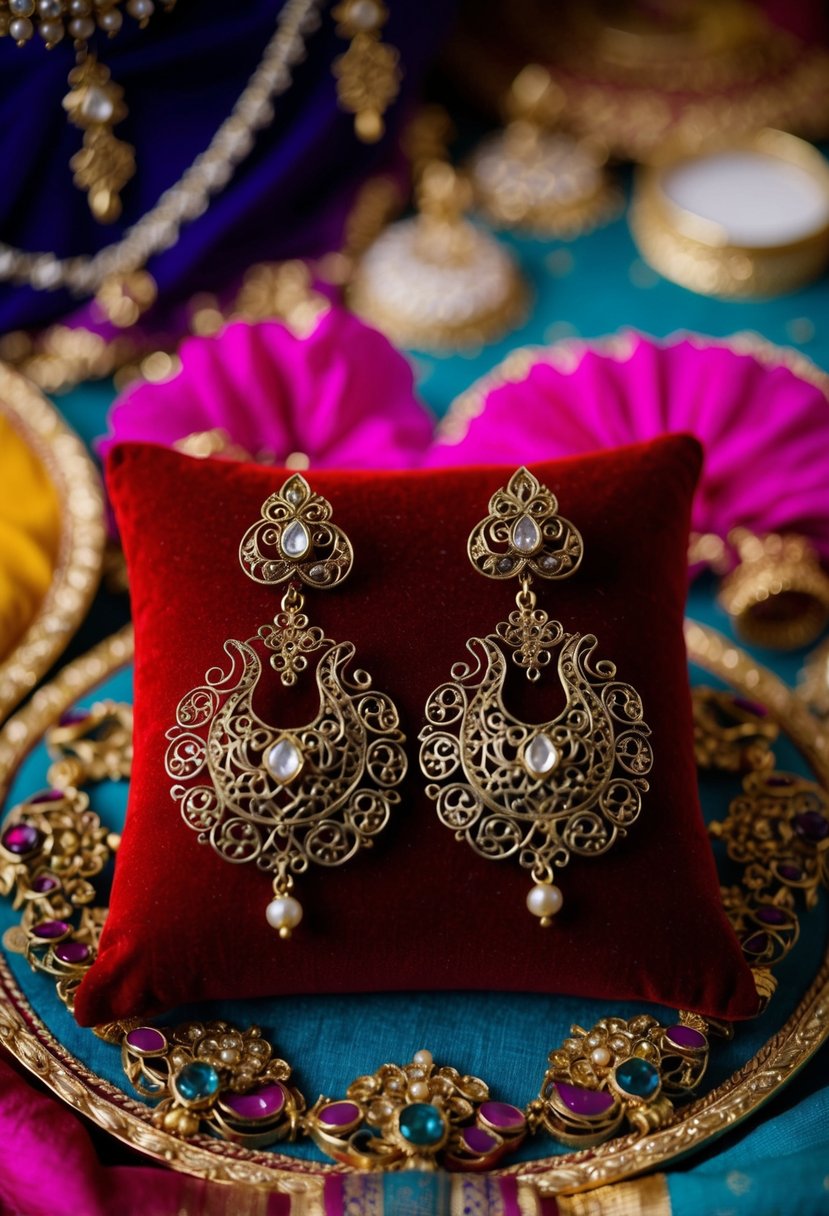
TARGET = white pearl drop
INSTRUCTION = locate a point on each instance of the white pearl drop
(111, 21)
(82, 28)
(21, 29)
(419, 1090)
(423, 1058)
(600, 1057)
(51, 31)
(284, 912)
(544, 899)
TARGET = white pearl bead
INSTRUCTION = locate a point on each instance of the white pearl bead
(21, 29)
(423, 1058)
(544, 900)
(284, 914)
(600, 1057)
(110, 21)
(419, 1090)
(51, 31)
(81, 28)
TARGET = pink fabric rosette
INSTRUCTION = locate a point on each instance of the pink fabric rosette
(761, 413)
(339, 395)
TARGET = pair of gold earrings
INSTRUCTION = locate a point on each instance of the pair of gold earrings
(284, 798)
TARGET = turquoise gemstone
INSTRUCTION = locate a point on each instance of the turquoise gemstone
(637, 1077)
(197, 1081)
(422, 1124)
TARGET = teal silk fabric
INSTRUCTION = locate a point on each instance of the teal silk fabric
(778, 1162)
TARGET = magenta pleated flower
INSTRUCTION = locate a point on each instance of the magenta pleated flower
(340, 396)
(761, 413)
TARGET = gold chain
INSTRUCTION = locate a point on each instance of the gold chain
(158, 230)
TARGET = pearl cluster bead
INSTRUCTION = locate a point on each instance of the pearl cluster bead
(79, 18)
(419, 1089)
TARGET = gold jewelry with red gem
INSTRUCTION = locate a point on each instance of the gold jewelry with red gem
(368, 74)
(536, 791)
(284, 797)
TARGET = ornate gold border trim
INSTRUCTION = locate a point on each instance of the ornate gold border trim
(80, 555)
(566, 356)
(29, 1040)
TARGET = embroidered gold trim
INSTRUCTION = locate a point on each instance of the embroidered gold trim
(80, 556)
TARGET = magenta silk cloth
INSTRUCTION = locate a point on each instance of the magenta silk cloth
(761, 414)
(339, 394)
(49, 1167)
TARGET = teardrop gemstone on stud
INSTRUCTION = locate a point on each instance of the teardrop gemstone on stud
(540, 756)
(295, 540)
(284, 761)
(526, 535)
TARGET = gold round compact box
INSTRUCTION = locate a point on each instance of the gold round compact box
(750, 219)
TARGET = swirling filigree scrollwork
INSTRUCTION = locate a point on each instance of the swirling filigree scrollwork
(524, 533)
(544, 791)
(91, 744)
(294, 538)
(283, 798)
(51, 846)
(778, 827)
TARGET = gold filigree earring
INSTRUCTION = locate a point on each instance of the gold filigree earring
(286, 797)
(570, 785)
(368, 74)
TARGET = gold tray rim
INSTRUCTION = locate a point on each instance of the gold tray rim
(79, 561)
(29, 1040)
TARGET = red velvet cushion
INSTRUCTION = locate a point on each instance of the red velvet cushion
(419, 910)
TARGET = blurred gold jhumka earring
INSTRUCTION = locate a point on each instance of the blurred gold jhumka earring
(540, 791)
(284, 798)
(778, 593)
(436, 281)
(537, 177)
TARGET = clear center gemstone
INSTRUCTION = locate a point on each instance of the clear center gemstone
(284, 760)
(540, 756)
(526, 535)
(295, 540)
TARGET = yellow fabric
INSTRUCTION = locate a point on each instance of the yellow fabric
(29, 535)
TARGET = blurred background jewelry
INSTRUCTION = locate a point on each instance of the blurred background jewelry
(778, 594)
(690, 222)
(532, 176)
(94, 102)
(436, 281)
(368, 74)
(116, 274)
(544, 791)
(316, 792)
